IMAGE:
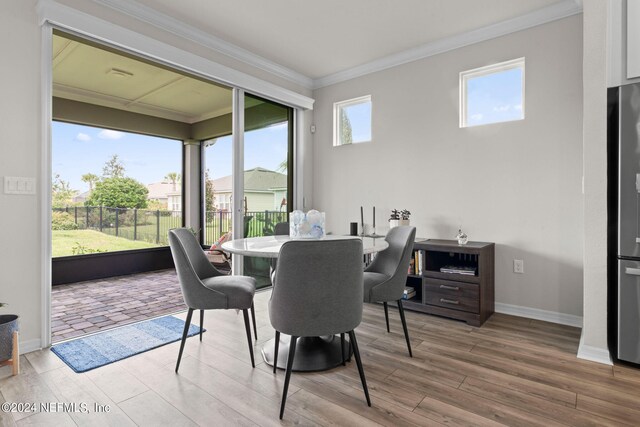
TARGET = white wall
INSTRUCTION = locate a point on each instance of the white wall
(594, 333)
(517, 184)
(21, 265)
(20, 261)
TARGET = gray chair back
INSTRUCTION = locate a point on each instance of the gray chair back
(281, 229)
(394, 261)
(317, 287)
(192, 266)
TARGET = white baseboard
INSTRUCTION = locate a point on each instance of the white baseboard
(536, 313)
(28, 346)
(594, 354)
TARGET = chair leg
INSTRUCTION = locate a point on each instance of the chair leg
(356, 352)
(404, 326)
(275, 352)
(187, 323)
(386, 314)
(245, 313)
(201, 323)
(342, 348)
(287, 377)
(253, 317)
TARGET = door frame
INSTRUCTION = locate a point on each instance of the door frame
(53, 15)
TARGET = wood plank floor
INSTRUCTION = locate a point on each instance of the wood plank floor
(512, 371)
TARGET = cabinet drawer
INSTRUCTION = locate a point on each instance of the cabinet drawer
(450, 294)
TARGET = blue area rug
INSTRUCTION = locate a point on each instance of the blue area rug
(85, 354)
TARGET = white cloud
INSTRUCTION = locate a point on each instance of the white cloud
(518, 107)
(502, 108)
(83, 137)
(476, 117)
(110, 134)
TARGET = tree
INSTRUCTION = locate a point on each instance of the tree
(346, 135)
(119, 193)
(209, 195)
(113, 168)
(283, 166)
(61, 192)
(173, 177)
(91, 179)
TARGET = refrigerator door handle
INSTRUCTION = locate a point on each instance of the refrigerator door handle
(632, 271)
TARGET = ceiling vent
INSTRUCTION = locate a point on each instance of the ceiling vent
(121, 74)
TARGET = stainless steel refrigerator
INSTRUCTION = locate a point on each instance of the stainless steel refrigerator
(624, 221)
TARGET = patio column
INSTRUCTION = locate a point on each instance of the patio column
(191, 184)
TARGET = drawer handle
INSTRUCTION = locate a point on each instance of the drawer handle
(453, 288)
(449, 301)
(632, 271)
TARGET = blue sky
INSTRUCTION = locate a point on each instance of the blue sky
(265, 148)
(494, 98)
(360, 118)
(81, 149)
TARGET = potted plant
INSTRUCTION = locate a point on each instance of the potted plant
(404, 217)
(9, 352)
(394, 220)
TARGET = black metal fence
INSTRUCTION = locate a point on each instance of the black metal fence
(153, 225)
(257, 223)
(133, 224)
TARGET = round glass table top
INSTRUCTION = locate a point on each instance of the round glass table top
(269, 246)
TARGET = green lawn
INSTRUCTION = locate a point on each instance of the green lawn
(64, 240)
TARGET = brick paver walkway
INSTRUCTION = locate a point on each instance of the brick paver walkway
(85, 307)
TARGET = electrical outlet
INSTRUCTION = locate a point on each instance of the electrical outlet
(518, 266)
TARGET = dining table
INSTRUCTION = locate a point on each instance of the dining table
(312, 353)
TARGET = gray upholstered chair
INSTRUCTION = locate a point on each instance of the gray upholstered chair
(205, 288)
(281, 229)
(317, 291)
(386, 277)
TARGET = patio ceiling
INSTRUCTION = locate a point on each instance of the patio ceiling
(87, 73)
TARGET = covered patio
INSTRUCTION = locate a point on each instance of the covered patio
(92, 306)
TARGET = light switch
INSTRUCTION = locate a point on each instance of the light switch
(19, 185)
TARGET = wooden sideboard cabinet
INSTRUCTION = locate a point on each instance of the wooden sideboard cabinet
(456, 281)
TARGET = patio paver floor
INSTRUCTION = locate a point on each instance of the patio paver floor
(81, 308)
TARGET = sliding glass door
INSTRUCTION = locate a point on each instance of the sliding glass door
(267, 174)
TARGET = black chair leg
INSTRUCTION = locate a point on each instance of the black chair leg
(201, 323)
(386, 314)
(404, 326)
(187, 323)
(342, 348)
(287, 377)
(247, 326)
(275, 352)
(253, 317)
(356, 352)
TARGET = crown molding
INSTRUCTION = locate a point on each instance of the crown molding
(179, 28)
(547, 14)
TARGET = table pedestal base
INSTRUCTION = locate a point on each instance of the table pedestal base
(312, 353)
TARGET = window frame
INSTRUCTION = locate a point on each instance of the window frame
(465, 76)
(336, 118)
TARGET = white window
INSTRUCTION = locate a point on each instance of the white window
(492, 94)
(352, 121)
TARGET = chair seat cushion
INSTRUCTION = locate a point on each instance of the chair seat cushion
(371, 280)
(238, 290)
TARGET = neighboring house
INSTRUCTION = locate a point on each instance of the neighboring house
(81, 198)
(168, 194)
(265, 190)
